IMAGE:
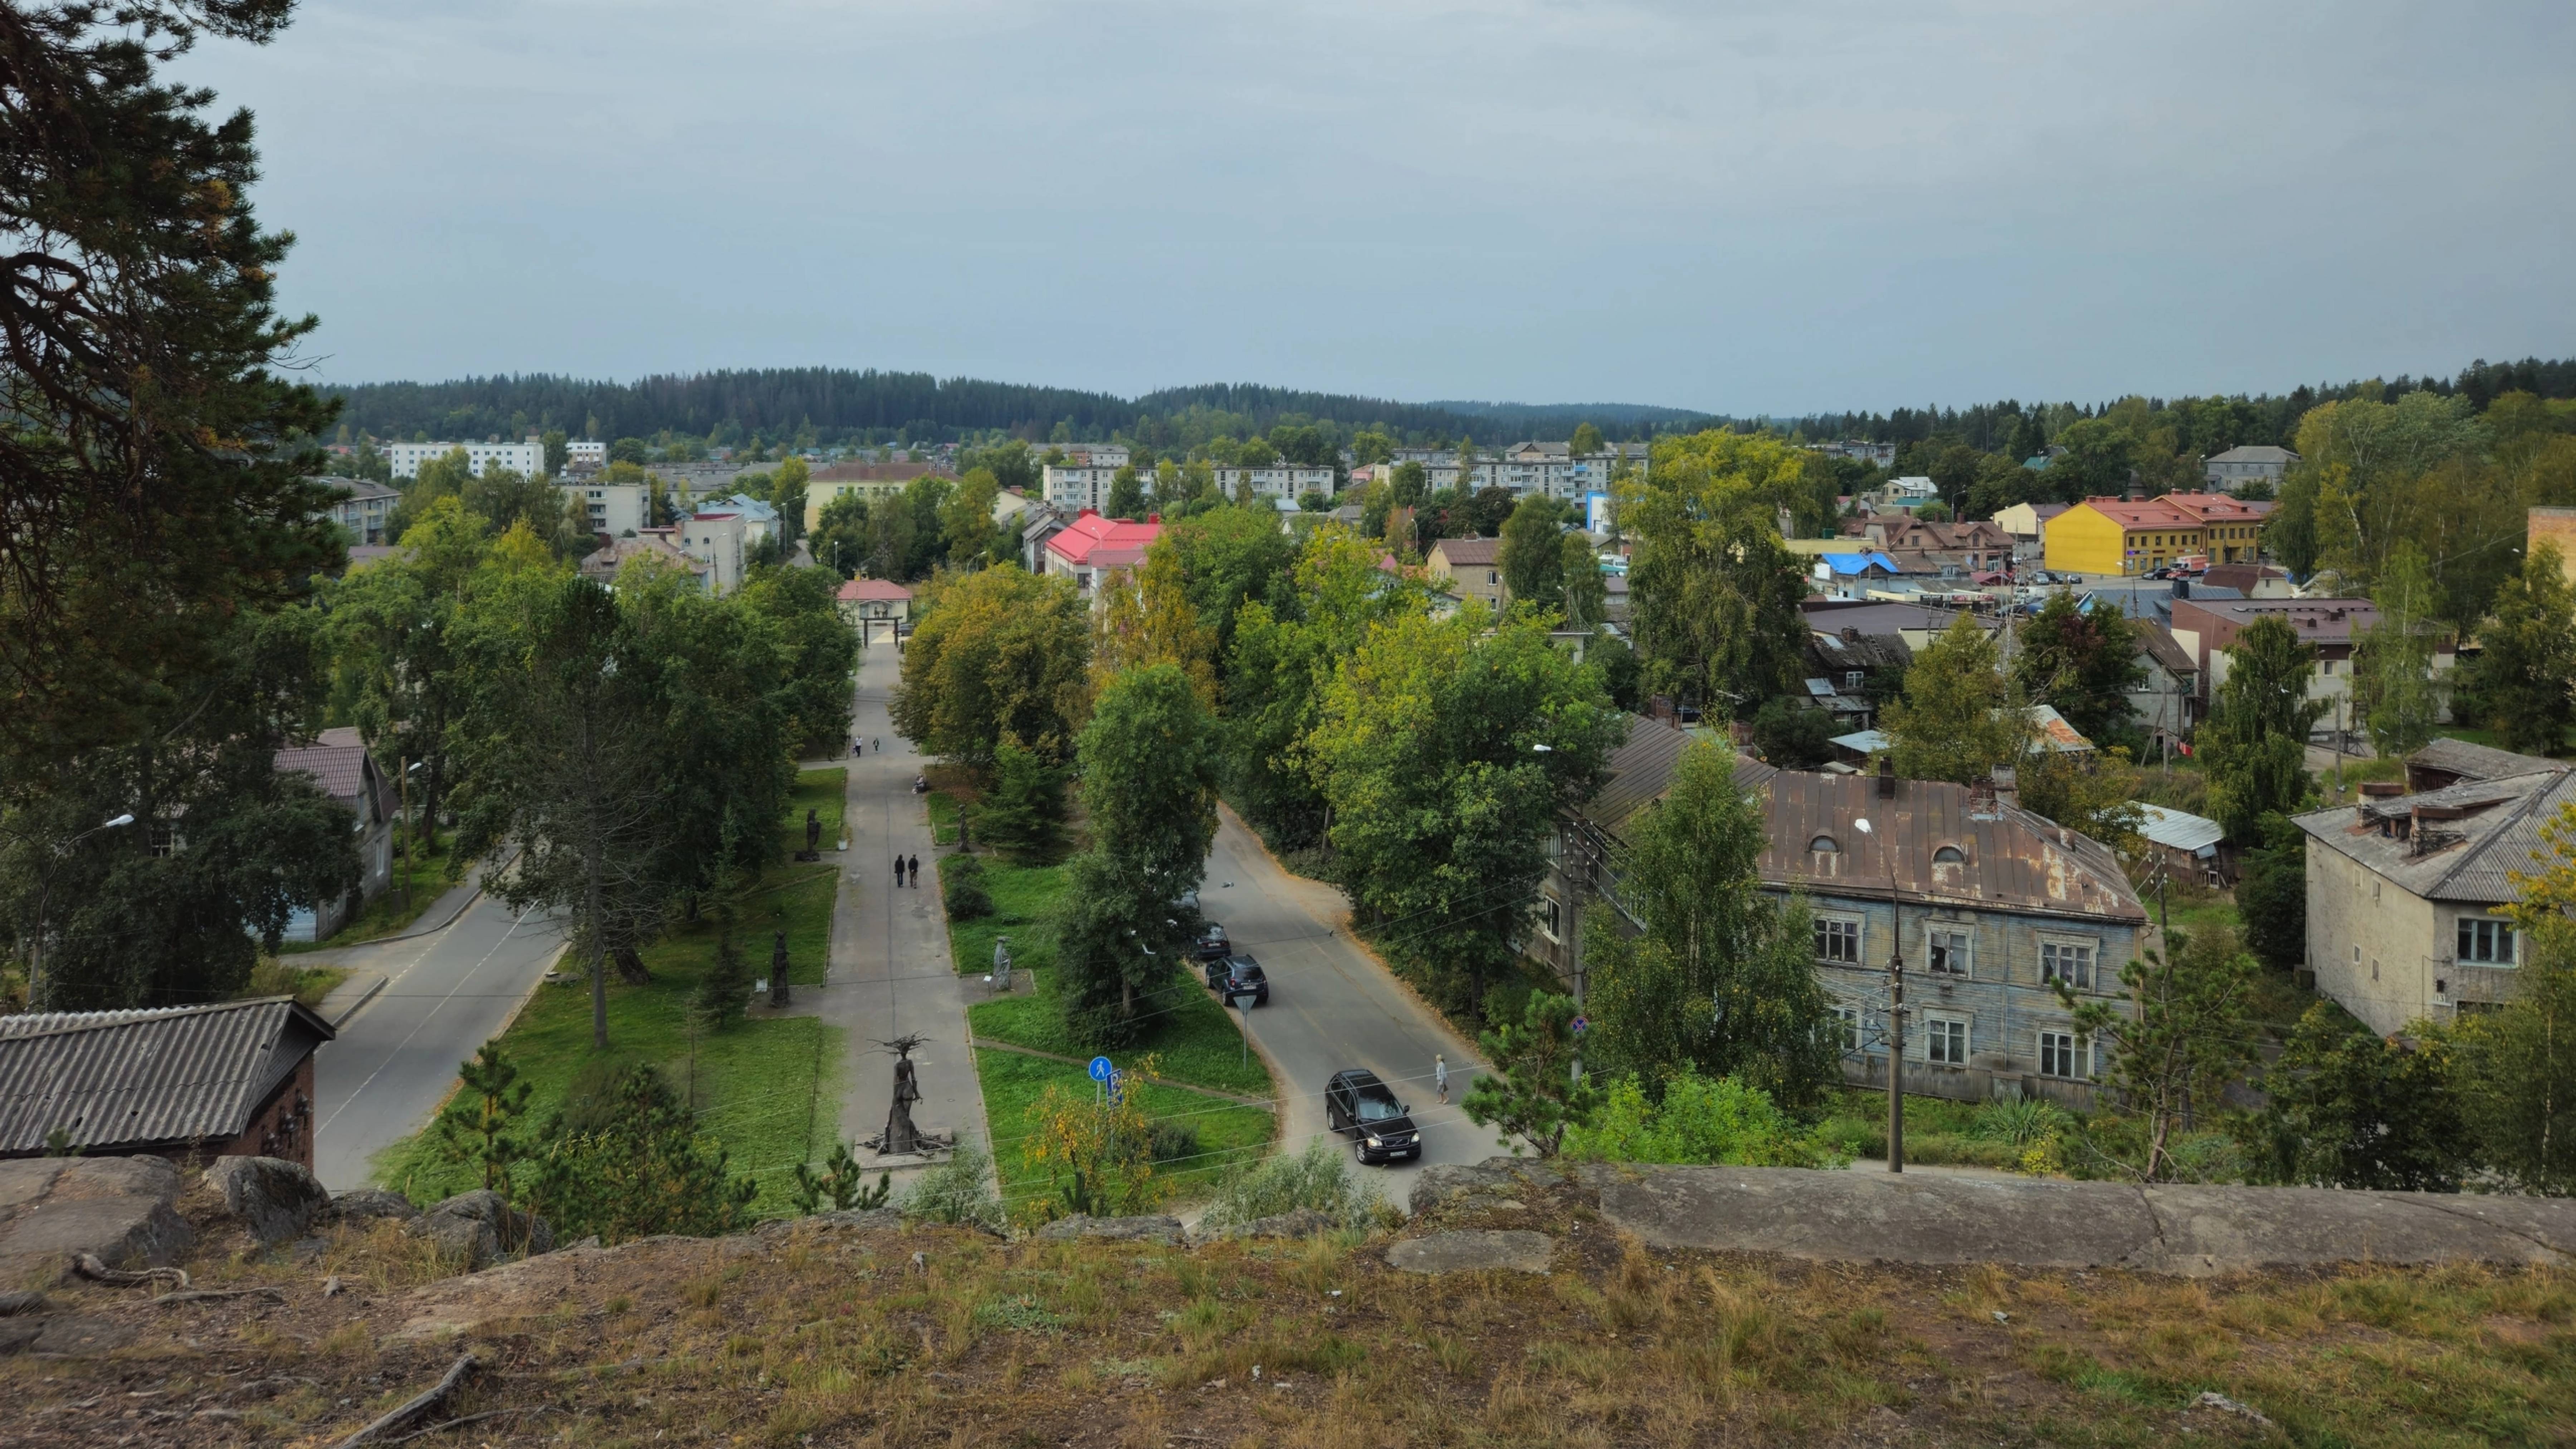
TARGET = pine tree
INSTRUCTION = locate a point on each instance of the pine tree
(479, 1125)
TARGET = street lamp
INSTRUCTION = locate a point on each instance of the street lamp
(1895, 1013)
(44, 899)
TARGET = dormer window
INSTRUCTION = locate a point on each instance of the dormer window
(1949, 855)
(1824, 845)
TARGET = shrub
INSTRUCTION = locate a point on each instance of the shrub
(961, 885)
(725, 989)
(643, 1170)
(1700, 1120)
(1172, 1141)
(959, 1191)
(1319, 1178)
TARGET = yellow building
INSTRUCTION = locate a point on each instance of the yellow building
(870, 480)
(2119, 536)
(2231, 529)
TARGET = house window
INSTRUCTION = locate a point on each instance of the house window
(1854, 679)
(1838, 940)
(1949, 855)
(1945, 1041)
(2486, 942)
(1846, 1027)
(1824, 845)
(1555, 919)
(2067, 961)
(2057, 1054)
(1949, 953)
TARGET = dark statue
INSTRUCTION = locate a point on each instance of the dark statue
(778, 970)
(900, 1135)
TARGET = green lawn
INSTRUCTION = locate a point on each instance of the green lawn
(1228, 1131)
(1198, 1043)
(769, 1090)
(943, 818)
(1021, 895)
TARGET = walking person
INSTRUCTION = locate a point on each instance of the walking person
(898, 870)
(1440, 1075)
(916, 872)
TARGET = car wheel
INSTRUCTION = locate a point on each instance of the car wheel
(1359, 1153)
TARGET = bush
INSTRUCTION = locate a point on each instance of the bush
(1172, 1141)
(725, 989)
(1792, 735)
(643, 1170)
(1700, 1120)
(958, 1191)
(1319, 1178)
(961, 885)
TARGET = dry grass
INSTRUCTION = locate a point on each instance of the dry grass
(799, 1336)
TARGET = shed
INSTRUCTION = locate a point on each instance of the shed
(230, 1080)
(2192, 845)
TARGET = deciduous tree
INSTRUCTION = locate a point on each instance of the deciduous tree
(2082, 661)
(2254, 744)
(1960, 717)
(1001, 653)
(2525, 675)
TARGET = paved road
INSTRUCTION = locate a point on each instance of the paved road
(1333, 1006)
(395, 1061)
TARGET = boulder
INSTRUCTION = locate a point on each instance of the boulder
(1124, 1230)
(477, 1228)
(1464, 1186)
(365, 1204)
(1473, 1252)
(1297, 1223)
(275, 1199)
(119, 1208)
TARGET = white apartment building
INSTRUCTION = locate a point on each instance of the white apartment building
(616, 509)
(1281, 480)
(1074, 487)
(585, 454)
(717, 540)
(1112, 456)
(1551, 470)
(528, 459)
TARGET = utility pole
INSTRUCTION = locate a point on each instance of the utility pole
(1895, 1002)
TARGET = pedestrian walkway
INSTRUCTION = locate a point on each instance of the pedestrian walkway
(889, 974)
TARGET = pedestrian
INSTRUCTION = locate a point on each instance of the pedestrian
(1440, 1075)
(916, 872)
(898, 870)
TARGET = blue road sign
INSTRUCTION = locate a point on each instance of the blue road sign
(1101, 1070)
(1582, 1024)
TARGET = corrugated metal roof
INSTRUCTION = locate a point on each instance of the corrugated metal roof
(1643, 769)
(2179, 830)
(132, 1079)
(2474, 856)
(340, 769)
(2007, 856)
(2479, 762)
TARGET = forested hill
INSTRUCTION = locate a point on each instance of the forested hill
(811, 405)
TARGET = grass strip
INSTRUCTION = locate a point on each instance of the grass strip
(1228, 1132)
(768, 1088)
(1197, 1043)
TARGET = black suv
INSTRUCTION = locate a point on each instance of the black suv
(1380, 1127)
(1211, 945)
(1238, 976)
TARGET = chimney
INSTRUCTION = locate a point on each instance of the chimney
(1886, 778)
(2007, 782)
(1153, 518)
(2182, 588)
(1850, 635)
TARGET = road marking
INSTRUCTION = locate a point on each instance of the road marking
(426, 1017)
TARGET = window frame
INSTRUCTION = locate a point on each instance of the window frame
(1965, 949)
(2485, 941)
(1829, 927)
(1955, 1032)
(2052, 944)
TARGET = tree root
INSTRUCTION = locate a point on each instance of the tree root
(88, 1266)
(405, 1414)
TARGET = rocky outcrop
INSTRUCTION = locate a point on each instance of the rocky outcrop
(1863, 1217)
(1473, 1252)
(118, 1208)
(365, 1204)
(477, 1228)
(275, 1200)
(1461, 1188)
(1126, 1230)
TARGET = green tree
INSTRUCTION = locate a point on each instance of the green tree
(1126, 495)
(1721, 978)
(1533, 555)
(787, 489)
(2394, 693)
(2097, 460)
(966, 523)
(1792, 734)
(1716, 594)
(1587, 595)
(1693, 1119)
(2253, 745)
(995, 655)
(1023, 814)
(1442, 804)
(2083, 661)
(816, 657)
(637, 1166)
(840, 538)
(2344, 1108)
(2525, 675)
(558, 448)
(154, 467)
(725, 989)
(1371, 446)
(2272, 895)
(1531, 1092)
(1959, 717)
(1586, 441)
(2185, 1032)
(480, 1124)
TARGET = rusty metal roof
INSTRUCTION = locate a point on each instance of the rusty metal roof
(129, 1080)
(2007, 856)
(2490, 830)
(1643, 769)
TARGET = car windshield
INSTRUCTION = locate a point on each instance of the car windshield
(1246, 971)
(1378, 1105)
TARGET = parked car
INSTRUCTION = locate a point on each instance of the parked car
(1211, 944)
(1380, 1127)
(1238, 976)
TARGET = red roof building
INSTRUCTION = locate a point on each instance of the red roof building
(866, 603)
(1092, 547)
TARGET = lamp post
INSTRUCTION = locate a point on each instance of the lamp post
(44, 899)
(1895, 1014)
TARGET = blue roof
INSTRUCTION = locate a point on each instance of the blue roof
(1854, 563)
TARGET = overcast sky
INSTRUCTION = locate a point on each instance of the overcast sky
(1732, 206)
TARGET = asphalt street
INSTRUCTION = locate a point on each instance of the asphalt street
(1333, 1006)
(395, 1061)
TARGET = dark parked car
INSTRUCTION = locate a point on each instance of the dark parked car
(1380, 1127)
(1238, 976)
(1211, 944)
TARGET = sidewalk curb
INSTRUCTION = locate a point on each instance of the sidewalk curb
(370, 994)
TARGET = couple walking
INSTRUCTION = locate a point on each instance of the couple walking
(903, 867)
